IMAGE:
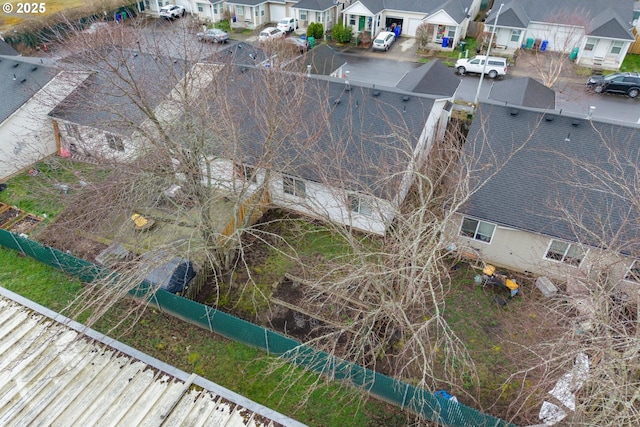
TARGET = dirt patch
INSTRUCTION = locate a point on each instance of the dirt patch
(9, 215)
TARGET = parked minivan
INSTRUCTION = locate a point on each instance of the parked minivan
(496, 66)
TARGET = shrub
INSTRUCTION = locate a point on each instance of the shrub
(315, 30)
(342, 34)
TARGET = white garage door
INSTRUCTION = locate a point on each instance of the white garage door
(412, 27)
(277, 12)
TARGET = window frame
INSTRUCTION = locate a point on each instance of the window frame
(359, 205)
(200, 7)
(72, 130)
(247, 173)
(114, 142)
(477, 227)
(633, 272)
(591, 41)
(517, 33)
(565, 257)
(616, 45)
(303, 15)
(239, 11)
(294, 187)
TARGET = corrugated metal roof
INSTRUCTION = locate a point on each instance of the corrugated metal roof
(52, 374)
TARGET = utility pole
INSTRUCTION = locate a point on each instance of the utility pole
(484, 66)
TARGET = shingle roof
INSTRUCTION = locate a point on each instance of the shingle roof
(104, 99)
(318, 5)
(602, 18)
(20, 81)
(524, 92)
(57, 372)
(541, 167)
(324, 59)
(6, 49)
(609, 24)
(361, 143)
(455, 8)
(433, 78)
(251, 2)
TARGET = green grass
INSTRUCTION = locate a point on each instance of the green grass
(631, 63)
(224, 25)
(241, 368)
(37, 193)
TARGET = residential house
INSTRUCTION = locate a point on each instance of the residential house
(351, 160)
(325, 12)
(447, 19)
(29, 90)
(258, 13)
(100, 118)
(354, 158)
(596, 31)
(207, 10)
(554, 193)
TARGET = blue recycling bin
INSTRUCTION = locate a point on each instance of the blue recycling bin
(445, 41)
(543, 45)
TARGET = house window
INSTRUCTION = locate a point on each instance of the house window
(247, 173)
(634, 272)
(359, 205)
(200, 7)
(256, 12)
(616, 47)
(451, 33)
(515, 35)
(478, 230)
(215, 9)
(262, 11)
(72, 130)
(565, 252)
(115, 142)
(293, 186)
(303, 15)
(147, 4)
(239, 11)
(591, 43)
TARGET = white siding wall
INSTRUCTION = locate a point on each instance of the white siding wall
(27, 136)
(561, 38)
(523, 251)
(320, 201)
(88, 142)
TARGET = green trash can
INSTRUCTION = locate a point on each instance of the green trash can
(312, 42)
(574, 54)
(462, 45)
(529, 44)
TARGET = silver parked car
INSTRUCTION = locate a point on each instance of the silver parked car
(213, 35)
(383, 40)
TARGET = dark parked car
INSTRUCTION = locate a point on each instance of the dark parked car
(626, 83)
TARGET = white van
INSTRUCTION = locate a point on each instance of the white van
(496, 66)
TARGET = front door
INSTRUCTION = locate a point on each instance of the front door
(361, 21)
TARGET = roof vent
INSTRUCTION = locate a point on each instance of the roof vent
(405, 98)
(23, 80)
(34, 68)
(514, 112)
(16, 64)
(375, 93)
(575, 123)
(548, 117)
(568, 138)
(336, 101)
(347, 87)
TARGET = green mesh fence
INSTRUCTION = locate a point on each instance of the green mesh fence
(406, 396)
